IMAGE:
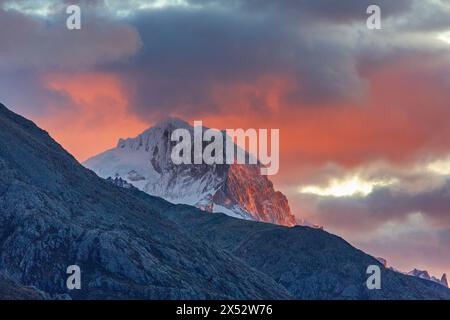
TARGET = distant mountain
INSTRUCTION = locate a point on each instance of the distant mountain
(425, 275)
(120, 183)
(444, 280)
(130, 245)
(236, 190)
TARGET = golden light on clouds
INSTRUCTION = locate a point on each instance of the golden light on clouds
(352, 186)
(441, 167)
(445, 37)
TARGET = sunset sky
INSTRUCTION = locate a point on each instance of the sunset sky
(363, 114)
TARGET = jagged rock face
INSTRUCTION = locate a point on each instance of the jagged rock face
(444, 280)
(237, 190)
(255, 194)
(420, 274)
(120, 183)
(423, 274)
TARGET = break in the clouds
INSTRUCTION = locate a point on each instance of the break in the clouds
(408, 229)
(400, 213)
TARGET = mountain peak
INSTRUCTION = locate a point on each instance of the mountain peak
(164, 125)
(425, 275)
(171, 122)
(237, 190)
(444, 279)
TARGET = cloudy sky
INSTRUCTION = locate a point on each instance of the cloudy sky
(363, 114)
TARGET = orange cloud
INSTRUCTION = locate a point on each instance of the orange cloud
(99, 114)
(404, 116)
(399, 120)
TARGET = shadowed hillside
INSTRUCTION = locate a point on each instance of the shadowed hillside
(55, 213)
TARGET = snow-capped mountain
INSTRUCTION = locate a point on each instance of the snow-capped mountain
(236, 190)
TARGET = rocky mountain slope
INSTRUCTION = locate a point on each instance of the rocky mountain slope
(237, 190)
(425, 275)
(128, 244)
(10, 290)
(55, 213)
(310, 263)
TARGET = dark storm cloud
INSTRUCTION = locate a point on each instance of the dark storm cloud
(425, 249)
(28, 93)
(386, 204)
(34, 46)
(40, 43)
(332, 10)
(195, 58)
(189, 54)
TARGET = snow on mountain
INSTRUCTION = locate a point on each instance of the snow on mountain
(236, 190)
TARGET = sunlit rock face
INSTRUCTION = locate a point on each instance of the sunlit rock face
(236, 190)
(254, 193)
